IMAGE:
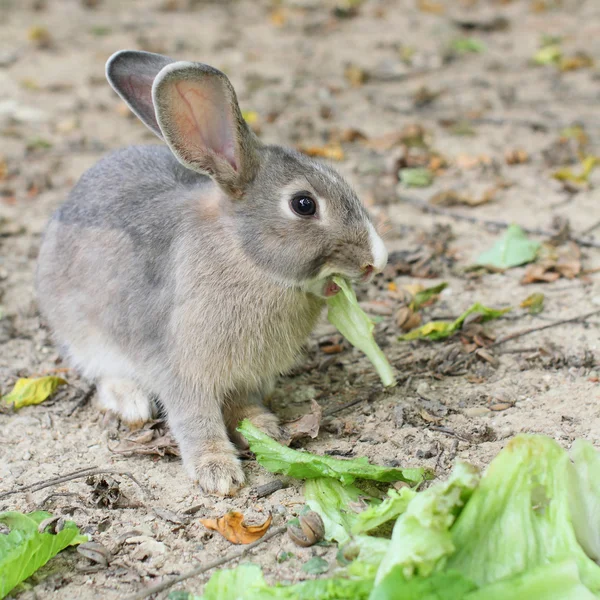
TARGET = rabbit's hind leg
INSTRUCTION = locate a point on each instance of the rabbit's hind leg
(249, 407)
(126, 399)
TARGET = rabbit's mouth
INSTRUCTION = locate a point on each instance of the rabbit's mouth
(330, 288)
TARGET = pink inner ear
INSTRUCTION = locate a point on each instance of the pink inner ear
(139, 87)
(203, 119)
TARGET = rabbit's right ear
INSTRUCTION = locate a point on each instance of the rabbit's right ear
(131, 74)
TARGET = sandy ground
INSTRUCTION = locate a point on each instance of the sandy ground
(310, 69)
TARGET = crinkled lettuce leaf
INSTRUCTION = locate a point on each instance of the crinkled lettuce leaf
(447, 585)
(23, 550)
(346, 315)
(421, 540)
(378, 514)
(246, 582)
(519, 518)
(555, 581)
(337, 504)
(585, 497)
(277, 458)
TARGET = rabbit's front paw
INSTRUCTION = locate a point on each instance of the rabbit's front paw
(219, 474)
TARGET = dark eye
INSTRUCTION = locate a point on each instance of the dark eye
(303, 205)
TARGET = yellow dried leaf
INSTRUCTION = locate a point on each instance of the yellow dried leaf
(32, 391)
(330, 151)
(413, 288)
(278, 17)
(250, 116)
(355, 75)
(587, 164)
(232, 527)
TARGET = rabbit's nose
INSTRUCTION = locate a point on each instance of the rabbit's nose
(368, 271)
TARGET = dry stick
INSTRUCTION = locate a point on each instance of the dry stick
(439, 210)
(87, 396)
(518, 334)
(35, 487)
(591, 228)
(201, 569)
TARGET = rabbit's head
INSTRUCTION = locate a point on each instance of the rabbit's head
(297, 219)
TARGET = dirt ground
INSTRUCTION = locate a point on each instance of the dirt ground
(313, 72)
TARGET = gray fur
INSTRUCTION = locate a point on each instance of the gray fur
(161, 281)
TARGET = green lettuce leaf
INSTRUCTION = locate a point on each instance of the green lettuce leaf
(511, 250)
(421, 540)
(519, 518)
(584, 497)
(346, 315)
(556, 581)
(389, 510)
(334, 501)
(24, 549)
(246, 582)
(448, 585)
(277, 458)
(438, 330)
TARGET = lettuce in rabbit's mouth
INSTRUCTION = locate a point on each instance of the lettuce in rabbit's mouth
(345, 314)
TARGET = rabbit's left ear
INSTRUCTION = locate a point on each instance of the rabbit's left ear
(199, 117)
(131, 74)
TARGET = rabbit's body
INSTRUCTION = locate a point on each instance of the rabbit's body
(194, 273)
(151, 277)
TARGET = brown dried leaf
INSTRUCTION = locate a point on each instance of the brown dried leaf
(307, 425)
(453, 198)
(516, 157)
(355, 75)
(561, 262)
(151, 439)
(232, 527)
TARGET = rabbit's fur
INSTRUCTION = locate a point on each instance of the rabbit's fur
(181, 272)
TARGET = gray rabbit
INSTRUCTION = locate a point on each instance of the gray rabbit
(194, 272)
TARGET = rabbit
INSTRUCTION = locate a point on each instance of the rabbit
(189, 275)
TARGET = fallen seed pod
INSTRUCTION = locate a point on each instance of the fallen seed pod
(311, 530)
(95, 552)
(51, 525)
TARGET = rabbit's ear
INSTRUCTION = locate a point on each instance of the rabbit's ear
(131, 74)
(199, 116)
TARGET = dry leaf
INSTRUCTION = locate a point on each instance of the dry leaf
(453, 198)
(278, 17)
(32, 391)
(307, 425)
(467, 161)
(232, 527)
(555, 263)
(151, 439)
(580, 60)
(329, 151)
(516, 157)
(429, 6)
(355, 75)
(40, 36)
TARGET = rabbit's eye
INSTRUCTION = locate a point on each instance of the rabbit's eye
(303, 205)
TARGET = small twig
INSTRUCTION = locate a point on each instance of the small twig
(57, 494)
(87, 396)
(35, 487)
(590, 229)
(498, 224)
(201, 569)
(518, 334)
(262, 491)
(448, 431)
